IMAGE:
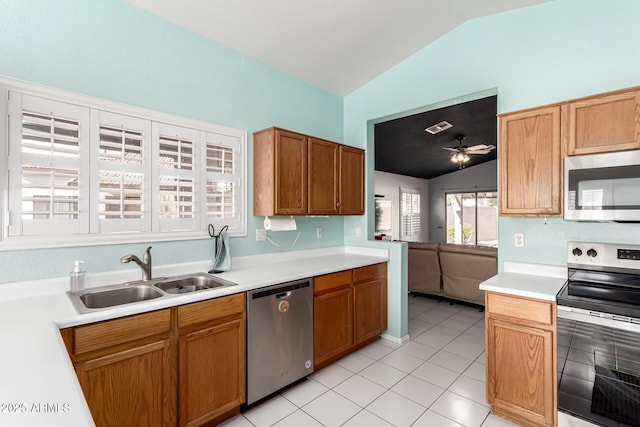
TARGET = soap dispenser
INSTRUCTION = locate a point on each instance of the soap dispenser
(77, 277)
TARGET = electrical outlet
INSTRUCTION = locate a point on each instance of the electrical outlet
(518, 240)
(319, 233)
(261, 235)
(358, 232)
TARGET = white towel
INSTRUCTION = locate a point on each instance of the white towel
(222, 252)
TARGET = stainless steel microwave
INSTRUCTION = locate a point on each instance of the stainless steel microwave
(602, 187)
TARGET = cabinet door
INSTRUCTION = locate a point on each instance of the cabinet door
(530, 163)
(351, 181)
(290, 173)
(130, 387)
(279, 173)
(370, 306)
(332, 325)
(605, 123)
(212, 372)
(323, 177)
(520, 372)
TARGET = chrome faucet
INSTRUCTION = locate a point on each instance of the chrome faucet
(145, 264)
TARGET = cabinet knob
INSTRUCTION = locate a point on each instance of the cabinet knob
(337, 204)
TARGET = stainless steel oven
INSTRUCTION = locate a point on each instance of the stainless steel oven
(599, 334)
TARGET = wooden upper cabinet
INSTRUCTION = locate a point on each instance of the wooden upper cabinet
(609, 122)
(323, 177)
(295, 174)
(280, 173)
(351, 181)
(530, 162)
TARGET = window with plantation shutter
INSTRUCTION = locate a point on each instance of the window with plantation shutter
(45, 145)
(81, 171)
(222, 177)
(123, 155)
(176, 176)
(409, 215)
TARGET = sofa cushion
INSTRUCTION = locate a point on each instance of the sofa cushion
(464, 268)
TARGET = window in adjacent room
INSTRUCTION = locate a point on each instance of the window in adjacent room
(409, 215)
(472, 218)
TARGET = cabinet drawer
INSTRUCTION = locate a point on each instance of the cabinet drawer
(205, 311)
(520, 308)
(331, 281)
(370, 272)
(112, 332)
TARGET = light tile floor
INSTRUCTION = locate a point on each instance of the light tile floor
(436, 379)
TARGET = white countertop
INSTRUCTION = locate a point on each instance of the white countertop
(38, 383)
(527, 280)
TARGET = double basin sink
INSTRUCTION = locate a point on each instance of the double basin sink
(105, 297)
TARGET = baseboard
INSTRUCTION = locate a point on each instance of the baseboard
(394, 339)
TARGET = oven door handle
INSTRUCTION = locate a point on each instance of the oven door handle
(596, 318)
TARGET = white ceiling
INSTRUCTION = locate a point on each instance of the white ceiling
(337, 45)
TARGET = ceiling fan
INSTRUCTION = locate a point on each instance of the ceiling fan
(461, 152)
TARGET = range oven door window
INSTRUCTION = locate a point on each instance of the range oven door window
(599, 372)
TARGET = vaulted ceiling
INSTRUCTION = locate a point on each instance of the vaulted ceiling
(337, 45)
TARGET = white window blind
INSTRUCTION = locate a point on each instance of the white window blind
(409, 215)
(83, 174)
(222, 178)
(45, 166)
(123, 155)
(176, 177)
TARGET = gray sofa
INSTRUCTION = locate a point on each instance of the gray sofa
(449, 270)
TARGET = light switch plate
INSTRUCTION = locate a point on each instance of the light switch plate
(261, 235)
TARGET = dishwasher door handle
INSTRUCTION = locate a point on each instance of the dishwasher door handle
(284, 295)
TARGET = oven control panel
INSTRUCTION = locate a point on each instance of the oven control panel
(603, 254)
(633, 254)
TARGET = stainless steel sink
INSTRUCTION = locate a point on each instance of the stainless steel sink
(139, 291)
(191, 283)
(118, 296)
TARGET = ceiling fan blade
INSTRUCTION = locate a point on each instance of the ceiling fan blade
(480, 147)
(455, 150)
(479, 152)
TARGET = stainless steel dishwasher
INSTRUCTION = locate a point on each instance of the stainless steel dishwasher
(279, 337)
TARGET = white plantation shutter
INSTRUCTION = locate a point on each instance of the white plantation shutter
(176, 172)
(222, 177)
(45, 167)
(409, 215)
(122, 192)
(81, 172)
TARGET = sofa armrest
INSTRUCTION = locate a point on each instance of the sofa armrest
(424, 275)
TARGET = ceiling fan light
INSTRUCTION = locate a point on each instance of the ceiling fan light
(465, 158)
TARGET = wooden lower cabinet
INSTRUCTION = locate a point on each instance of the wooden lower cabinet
(350, 310)
(211, 358)
(332, 316)
(521, 359)
(129, 387)
(180, 366)
(370, 302)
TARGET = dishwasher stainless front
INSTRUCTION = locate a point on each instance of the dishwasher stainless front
(279, 337)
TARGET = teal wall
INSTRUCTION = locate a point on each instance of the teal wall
(114, 51)
(550, 52)
(537, 55)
